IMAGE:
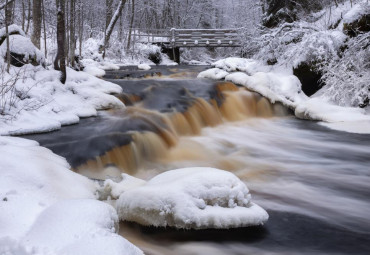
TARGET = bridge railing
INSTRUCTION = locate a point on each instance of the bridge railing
(205, 38)
(175, 38)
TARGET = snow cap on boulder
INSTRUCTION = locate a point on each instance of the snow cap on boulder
(197, 198)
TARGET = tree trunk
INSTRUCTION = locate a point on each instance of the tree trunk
(7, 35)
(80, 25)
(44, 25)
(9, 12)
(108, 12)
(72, 33)
(131, 23)
(28, 16)
(60, 60)
(36, 17)
(23, 15)
(112, 23)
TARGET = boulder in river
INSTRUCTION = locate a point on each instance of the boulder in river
(197, 198)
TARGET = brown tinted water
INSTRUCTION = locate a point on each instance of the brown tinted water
(314, 182)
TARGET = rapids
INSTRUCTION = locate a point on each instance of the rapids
(314, 182)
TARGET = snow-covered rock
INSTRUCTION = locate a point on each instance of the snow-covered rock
(144, 67)
(191, 198)
(115, 189)
(22, 51)
(94, 70)
(213, 73)
(12, 30)
(278, 84)
(234, 64)
(48, 209)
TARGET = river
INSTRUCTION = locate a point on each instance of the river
(314, 182)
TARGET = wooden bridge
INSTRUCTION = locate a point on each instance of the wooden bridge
(172, 40)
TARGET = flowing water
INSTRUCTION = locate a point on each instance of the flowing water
(314, 182)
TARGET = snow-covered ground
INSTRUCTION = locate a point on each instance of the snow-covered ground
(278, 84)
(39, 102)
(48, 209)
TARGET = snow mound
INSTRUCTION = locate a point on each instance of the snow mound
(23, 46)
(94, 70)
(114, 189)
(233, 64)
(196, 198)
(90, 50)
(92, 226)
(278, 87)
(48, 209)
(213, 73)
(12, 29)
(144, 67)
(40, 96)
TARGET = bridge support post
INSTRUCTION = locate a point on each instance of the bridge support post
(174, 54)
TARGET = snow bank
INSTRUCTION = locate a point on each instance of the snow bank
(42, 103)
(280, 85)
(144, 67)
(192, 198)
(48, 209)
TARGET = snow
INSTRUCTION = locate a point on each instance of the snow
(115, 189)
(278, 84)
(23, 46)
(48, 209)
(213, 73)
(144, 67)
(94, 70)
(38, 94)
(356, 12)
(196, 198)
(12, 29)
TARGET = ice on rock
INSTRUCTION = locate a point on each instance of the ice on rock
(196, 198)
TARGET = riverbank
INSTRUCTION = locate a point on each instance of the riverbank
(305, 175)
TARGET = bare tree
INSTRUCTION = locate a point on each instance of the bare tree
(60, 60)
(112, 23)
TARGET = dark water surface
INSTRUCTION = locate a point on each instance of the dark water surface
(314, 182)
